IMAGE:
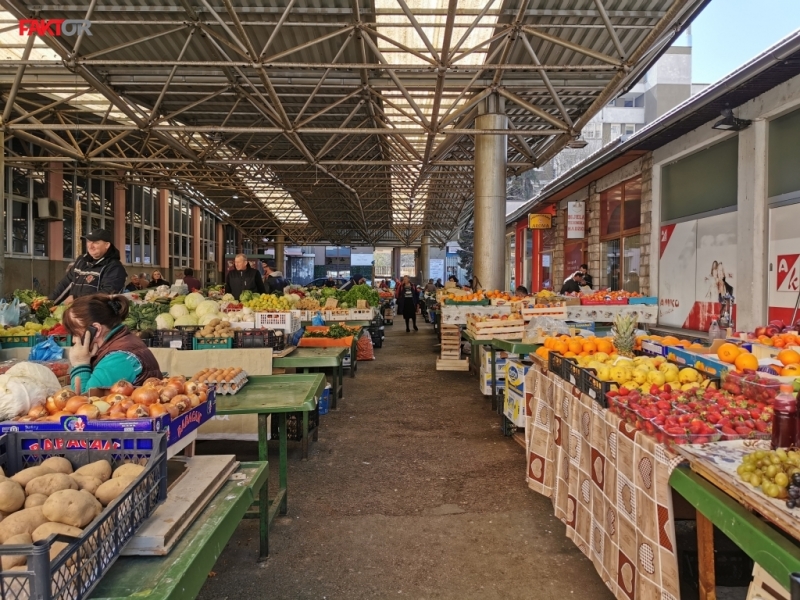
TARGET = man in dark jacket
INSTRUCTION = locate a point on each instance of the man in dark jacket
(274, 280)
(99, 271)
(573, 285)
(192, 282)
(243, 277)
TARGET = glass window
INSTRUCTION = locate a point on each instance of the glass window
(108, 205)
(20, 184)
(19, 227)
(546, 257)
(609, 265)
(611, 211)
(527, 272)
(633, 204)
(620, 221)
(69, 234)
(630, 263)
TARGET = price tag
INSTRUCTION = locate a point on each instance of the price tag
(572, 379)
(592, 393)
(176, 344)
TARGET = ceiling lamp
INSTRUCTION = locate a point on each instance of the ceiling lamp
(730, 123)
(577, 142)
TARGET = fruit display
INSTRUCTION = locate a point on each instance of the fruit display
(308, 303)
(29, 329)
(156, 398)
(334, 331)
(625, 333)
(513, 316)
(695, 416)
(668, 340)
(608, 297)
(267, 303)
(226, 381)
(776, 473)
(350, 298)
(778, 334)
(215, 328)
(752, 385)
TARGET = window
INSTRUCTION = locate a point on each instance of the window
(620, 222)
(180, 213)
(408, 263)
(511, 280)
(230, 240)
(593, 130)
(615, 131)
(630, 128)
(546, 258)
(141, 236)
(25, 234)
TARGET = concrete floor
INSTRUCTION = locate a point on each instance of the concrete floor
(411, 491)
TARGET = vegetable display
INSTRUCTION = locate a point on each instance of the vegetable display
(334, 331)
(361, 292)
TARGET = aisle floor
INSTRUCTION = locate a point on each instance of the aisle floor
(410, 492)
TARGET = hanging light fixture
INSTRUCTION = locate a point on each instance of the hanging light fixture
(730, 123)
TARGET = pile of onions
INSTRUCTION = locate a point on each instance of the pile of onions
(155, 398)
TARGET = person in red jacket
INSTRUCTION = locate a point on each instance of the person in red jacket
(191, 281)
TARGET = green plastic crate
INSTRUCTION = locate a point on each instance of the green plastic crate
(63, 339)
(217, 343)
(20, 341)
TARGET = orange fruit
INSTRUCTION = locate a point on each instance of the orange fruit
(549, 342)
(792, 370)
(560, 347)
(589, 347)
(584, 353)
(605, 346)
(727, 353)
(778, 342)
(575, 346)
(745, 360)
(789, 357)
(569, 355)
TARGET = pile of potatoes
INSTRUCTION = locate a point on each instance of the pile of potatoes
(216, 328)
(52, 498)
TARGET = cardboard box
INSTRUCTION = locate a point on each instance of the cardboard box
(516, 376)
(175, 428)
(704, 359)
(653, 348)
(514, 407)
(485, 384)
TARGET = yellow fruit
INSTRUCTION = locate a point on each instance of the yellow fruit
(640, 376)
(688, 375)
(631, 385)
(604, 373)
(690, 386)
(656, 378)
(670, 376)
(600, 356)
(620, 375)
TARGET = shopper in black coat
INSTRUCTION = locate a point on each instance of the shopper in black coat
(407, 300)
(243, 277)
(99, 271)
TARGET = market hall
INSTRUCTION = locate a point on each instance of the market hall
(217, 215)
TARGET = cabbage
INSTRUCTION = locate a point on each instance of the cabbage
(186, 320)
(165, 321)
(178, 310)
(206, 319)
(58, 313)
(207, 307)
(193, 300)
(228, 298)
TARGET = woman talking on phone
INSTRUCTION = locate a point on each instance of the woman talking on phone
(103, 350)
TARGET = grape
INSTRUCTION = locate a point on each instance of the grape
(772, 490)
(794, 492)
(772, 471)
(790, 504)
(755, 480)
(796, 479)
(782, 479)
(775, 459)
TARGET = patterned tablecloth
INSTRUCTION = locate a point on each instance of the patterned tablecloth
(609, 484)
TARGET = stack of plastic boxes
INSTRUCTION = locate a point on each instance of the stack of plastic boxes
(517, 386)
(485, 380)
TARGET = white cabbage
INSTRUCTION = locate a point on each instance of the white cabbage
(206, 319)
(178, 310)
(193, 300)
(186, 320)
(24, 386)
(207, 307)
(165, 321)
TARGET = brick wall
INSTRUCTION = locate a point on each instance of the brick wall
(646, 224)
(558, 252)
(593, 215)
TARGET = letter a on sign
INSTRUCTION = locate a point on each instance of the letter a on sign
(788, 279)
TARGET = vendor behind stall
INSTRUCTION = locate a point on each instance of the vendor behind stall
(103, 350)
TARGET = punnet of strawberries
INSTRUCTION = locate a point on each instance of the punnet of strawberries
(693, 417)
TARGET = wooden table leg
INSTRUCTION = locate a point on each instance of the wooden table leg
(705, 557)
(283, 471)
(263, 521)
(494, 379)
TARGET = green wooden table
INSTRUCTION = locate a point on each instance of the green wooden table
(182, 573)
(354, 347)
(512, 347)
(777, 552)
(473, 353)
(318, 358)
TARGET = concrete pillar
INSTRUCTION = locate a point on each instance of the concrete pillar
(280, 258)
(55, 229)
(750, 286)
(557, 271)
(593, 214)
(120, 221)
(396, 252)
(646, 226)
(424, 258)
(196, 244)
(164, 238)
(219, 253)
(2, 221)
(490, 201)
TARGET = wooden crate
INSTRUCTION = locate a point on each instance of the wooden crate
(556, 312)
(443, 364)
(765, 587)
(487, 330)
(451, 342)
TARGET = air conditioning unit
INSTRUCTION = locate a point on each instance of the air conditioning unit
(48, 209)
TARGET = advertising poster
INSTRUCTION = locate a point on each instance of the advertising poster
(576, 220)
(784, 262)
(436, 268)
(573, 258)
(676, 272)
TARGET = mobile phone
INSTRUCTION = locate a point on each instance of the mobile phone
(92, 333)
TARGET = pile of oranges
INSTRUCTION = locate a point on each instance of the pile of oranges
(782, 340)
(472, 297)
(497, 295)
(570, 347)
(742, 359)
(667, 340)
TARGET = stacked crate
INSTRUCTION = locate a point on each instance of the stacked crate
(450, 357)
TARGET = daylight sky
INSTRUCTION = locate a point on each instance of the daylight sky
(728, 33)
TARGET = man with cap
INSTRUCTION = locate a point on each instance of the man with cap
(99, 271)
(274, 280)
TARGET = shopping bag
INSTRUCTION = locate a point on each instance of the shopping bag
(9, 313)
(317, 319)
(46, 350)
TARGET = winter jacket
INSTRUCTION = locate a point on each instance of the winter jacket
(570, 287)
(154, 283)
(193, 283)
(400, 295)
(238, 281)
(106, 275)
(275, 282)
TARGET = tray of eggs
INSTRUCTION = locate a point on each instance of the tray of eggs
(227, 381)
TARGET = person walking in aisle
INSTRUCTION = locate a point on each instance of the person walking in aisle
(407, 300)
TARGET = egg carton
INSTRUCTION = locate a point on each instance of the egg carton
(229, 388)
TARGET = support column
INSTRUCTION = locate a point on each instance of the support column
(557, 270)
(196, 243)
(646, 226)
(490, 200)
(164, 241)
(120, 221)
(280, 258)
(750, 285)
(593, 214)
(424, 258)
(219, 255)
(2, 221)
(396, 262)
(55, 229)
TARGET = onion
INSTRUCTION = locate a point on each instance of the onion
(178, 383)
(180, 402)
(56, 417)
(191, 387)
(156, 410)
(27, 419)
(125, 404)
(173, 410)
(103, 406)
(74, 403)
(122, 387)
(64, 393)
(145, 395)
(38, 412)
(153, 382)
(194, 400)
(55, 404)
(90, 411)
(137, 411)
(113, 399)
(168, 392)
(203, 396)
(115, 413)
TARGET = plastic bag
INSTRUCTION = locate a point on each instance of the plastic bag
(46, 350)
(9, 313)
(295, 339)
(548, 326)
(317, 319)
(364, 349)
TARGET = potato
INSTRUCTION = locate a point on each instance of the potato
(45, 531)
(51, 483)
(58, 464)
(22, 521)
(69, 507)
(129, 470)
(87, 482)
(56, 549)
(10, 499)
(24, 476)
(98, 508)
(100, 469)
(107, 492)
(10, 561)
(35, 500)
